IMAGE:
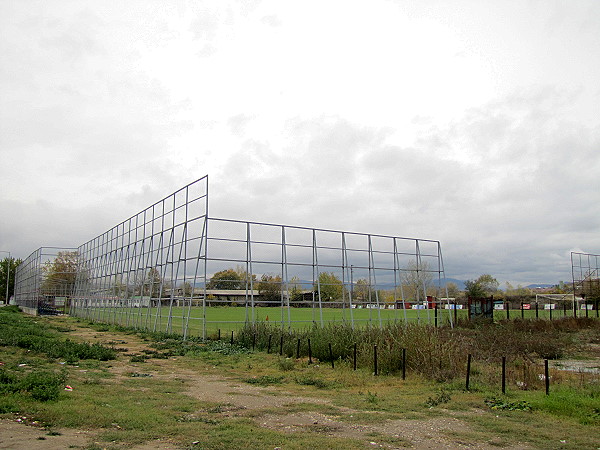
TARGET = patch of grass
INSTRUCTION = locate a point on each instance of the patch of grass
(442, 396)
(41, 385)
(29, 334)
(371, 398)
(264, 380)
(243, 433)
(135, 409)
(286, 364)
(582, 406)
(201, 419)
(310, 380)
(140, 375)
(507, 405)
(537, 429)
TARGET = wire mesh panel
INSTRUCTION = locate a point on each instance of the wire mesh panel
(45, 280)
(143, 272)
(586, 277)
(295, 276)
(173, 268)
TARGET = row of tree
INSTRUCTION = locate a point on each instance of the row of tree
(330, 286)
(60, 274)
(8, 270)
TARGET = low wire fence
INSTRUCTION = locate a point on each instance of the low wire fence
(521, 355)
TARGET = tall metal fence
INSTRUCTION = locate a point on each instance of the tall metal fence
(585, 268)
(173, 268)
(151, 260)
(45, 277)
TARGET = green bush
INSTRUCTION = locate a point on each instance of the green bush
(26, 333)
(265, 380)
(309, 380)
(43, 385)
(8, 382)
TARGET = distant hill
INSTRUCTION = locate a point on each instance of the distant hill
(459, 283)
(540, 286)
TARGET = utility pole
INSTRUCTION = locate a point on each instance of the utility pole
(7, 274)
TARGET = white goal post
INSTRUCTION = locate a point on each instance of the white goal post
(552, 299)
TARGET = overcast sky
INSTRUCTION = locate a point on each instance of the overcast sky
(476, 123)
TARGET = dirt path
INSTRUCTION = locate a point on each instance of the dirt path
(241, 399)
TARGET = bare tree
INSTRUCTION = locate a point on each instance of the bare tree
(417, 279)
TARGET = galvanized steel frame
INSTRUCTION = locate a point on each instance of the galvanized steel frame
(160, 261)
(585, 268)
(30, 278)
(131, 270)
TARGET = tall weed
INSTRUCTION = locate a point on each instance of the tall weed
(437, 353)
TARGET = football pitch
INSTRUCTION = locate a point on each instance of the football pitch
(225, 319)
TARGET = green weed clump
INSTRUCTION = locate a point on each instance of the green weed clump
(40, 385)
(507, 405)
(286, 364)
(442, 396)
(264, 380)
(25, 332)
(176, 346)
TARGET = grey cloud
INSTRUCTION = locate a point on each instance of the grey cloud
(237, 123)
(89, 139)
(528, 194)
(73, 39)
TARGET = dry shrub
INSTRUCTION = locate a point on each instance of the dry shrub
(436, 353)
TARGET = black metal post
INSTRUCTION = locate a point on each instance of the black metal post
(375, 359)
(219, 334)
(551, 310)
(269, 346)
(455, 313)
(537, 311)
(565, 309)
(468, 372)
(232, 338)
(547, 376)
(404, 364)
(281, 346)
(436, 314)
(298, 349)
(522, 311)
(507, 306)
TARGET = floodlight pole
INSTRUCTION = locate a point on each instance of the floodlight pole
(7, 275)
